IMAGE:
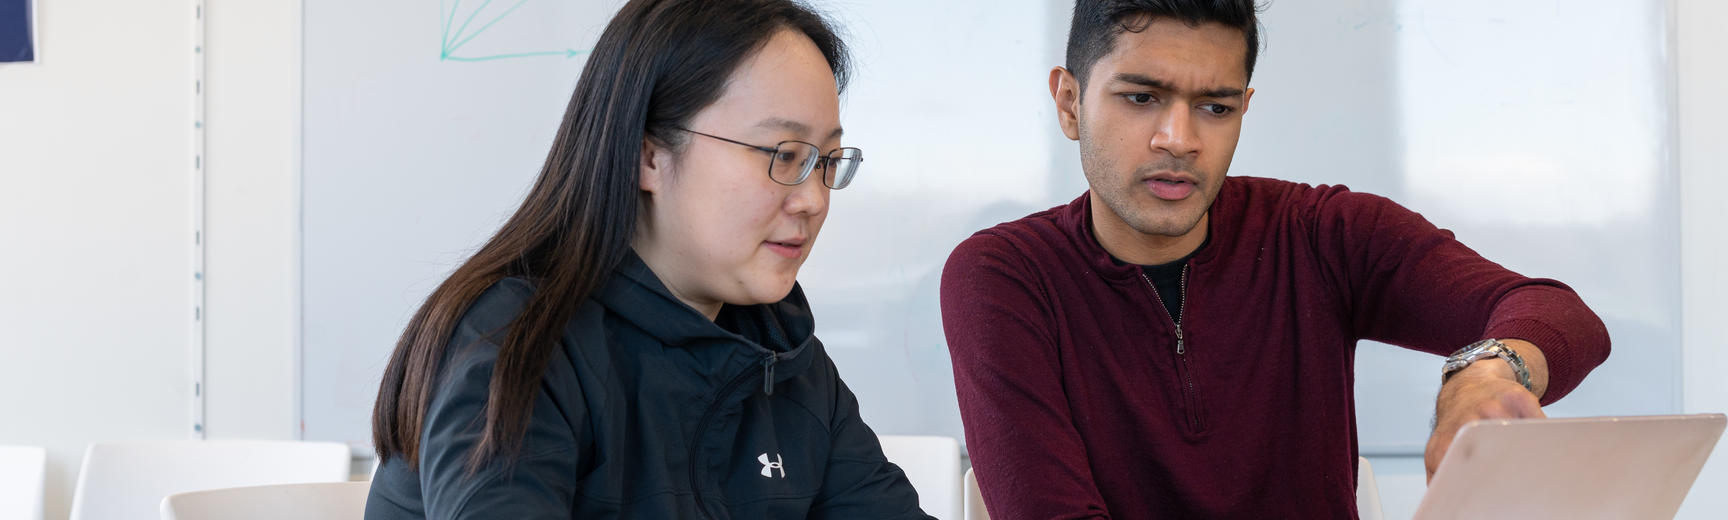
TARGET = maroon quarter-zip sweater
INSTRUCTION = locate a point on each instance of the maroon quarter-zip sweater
(1078, 404)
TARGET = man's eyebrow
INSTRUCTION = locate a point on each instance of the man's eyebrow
(1143, 80)
(794, 126)
(1155, 83)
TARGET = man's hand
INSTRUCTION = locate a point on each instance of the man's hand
(1487, 389)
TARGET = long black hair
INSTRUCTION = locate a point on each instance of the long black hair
(656, 65)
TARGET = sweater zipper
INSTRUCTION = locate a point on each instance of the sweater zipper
(708, 415)
(1181, 346)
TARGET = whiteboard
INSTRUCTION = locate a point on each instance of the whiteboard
(1538, 131)
(411, 161)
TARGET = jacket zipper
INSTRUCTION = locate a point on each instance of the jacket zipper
(708, 414)
(1181, 345)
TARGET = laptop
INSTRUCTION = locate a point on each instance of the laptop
(1595, 467)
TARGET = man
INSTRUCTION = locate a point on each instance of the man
(1179, 344)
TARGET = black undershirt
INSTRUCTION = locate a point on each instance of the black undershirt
(1167, 280)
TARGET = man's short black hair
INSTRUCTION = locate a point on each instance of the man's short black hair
(1097, 23)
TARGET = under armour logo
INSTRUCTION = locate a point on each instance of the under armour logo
(769, 467)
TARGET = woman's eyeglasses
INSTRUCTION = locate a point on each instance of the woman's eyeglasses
(791, 162)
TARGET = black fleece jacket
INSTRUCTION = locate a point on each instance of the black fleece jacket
(650, 410)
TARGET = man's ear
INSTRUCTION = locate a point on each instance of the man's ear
(656, 166)
(1065, 91)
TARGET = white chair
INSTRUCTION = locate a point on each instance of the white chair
(1367, 492)
(1367, 495)
(323, 501)
(128, 480)
(23, 470)
(932, 464)
(974, 498)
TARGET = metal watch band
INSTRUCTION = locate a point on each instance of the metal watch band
(1485, 349)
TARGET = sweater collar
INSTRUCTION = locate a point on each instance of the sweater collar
(1076, 221)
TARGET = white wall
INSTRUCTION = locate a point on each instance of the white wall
(96, 232)
(252, 218)
(96, 201)
(1702, 51)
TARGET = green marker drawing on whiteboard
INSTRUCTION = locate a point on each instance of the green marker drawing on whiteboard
(450, 43)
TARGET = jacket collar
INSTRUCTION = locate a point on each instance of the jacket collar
(783, 331)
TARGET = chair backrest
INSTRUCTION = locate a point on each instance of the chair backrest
(128, 480)
(974, 498)
(1367, 492)
(323, 501)
(932, 464)
(23, 469)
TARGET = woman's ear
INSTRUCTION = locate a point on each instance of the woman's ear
(656, 165)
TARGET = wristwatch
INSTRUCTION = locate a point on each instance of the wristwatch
(1486, 349)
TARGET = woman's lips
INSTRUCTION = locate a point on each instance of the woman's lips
(786, 249)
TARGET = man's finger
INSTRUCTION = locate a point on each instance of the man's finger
(1523, 405)
(1435, 453)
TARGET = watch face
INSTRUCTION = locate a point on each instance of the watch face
(1452, 366)
(1469, 354)
(1462, 353)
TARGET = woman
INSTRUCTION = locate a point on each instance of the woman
(632, 343)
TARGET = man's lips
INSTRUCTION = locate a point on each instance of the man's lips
(1171, 186)
(1174, 176)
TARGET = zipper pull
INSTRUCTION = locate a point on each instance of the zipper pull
(768, 373)
(1179, 349)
